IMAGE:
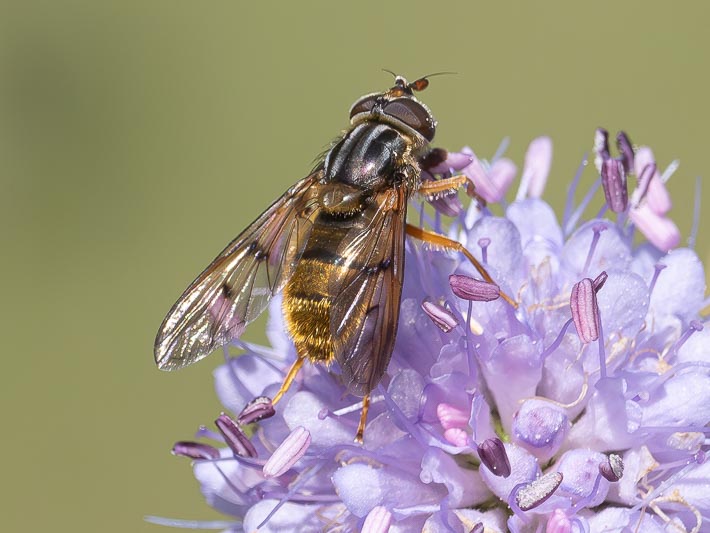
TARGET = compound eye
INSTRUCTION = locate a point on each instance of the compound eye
(363, 105)
(412, 114)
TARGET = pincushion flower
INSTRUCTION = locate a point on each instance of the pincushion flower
(586, 408)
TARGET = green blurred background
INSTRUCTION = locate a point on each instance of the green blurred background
(137, 138)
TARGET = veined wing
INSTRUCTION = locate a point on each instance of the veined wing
(365, 313)
(237, 286)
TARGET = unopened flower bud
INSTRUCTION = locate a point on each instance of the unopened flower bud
(540, 427)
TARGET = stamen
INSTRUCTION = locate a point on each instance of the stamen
(530, 495)
(665, 486)
(585, 310)
(597, 229)
(295, 486)
(644, 180)
(484, 243)
(468, 288)
(257, 409)
(288, 453)
(192, 524)
(601, 147)
(600, 280)
(626, 150)
(235, 438)
(613, 469)
(571, 190)
(442, 318)
(493, 455)
(478, 528)
(670, 170)
(378, 520)
(589, 498)
(552, 347)
(574, 217)
(694, 326)
(502, 147)
(205, 432)
(614, 185)
(195, 450)
(357, 406)
(656, 272)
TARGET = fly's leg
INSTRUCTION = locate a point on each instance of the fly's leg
(433, 189)
(295, 367)
(363, 419)
(445, 242)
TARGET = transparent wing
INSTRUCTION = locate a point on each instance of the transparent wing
(237, 286)
(365, 314)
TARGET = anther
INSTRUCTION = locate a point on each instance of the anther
(613, 468)
(195, 450)
(626, 151)
(614, 185)
(585, 311)
(257, 409)
(601, 147)
(468, 288)
(235, 438)
(538, 491)
(600, 280)
(442, 318)
(493, 455)
(288, 452)
(597, 229)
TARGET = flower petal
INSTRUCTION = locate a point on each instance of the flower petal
(538, 160)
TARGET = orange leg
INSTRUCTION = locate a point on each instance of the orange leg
(446, 186)
(363, 419)
(445, 242)
(295, 367)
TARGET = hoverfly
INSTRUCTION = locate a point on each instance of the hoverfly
(334, 244)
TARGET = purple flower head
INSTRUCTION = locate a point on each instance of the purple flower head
(585, 406)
